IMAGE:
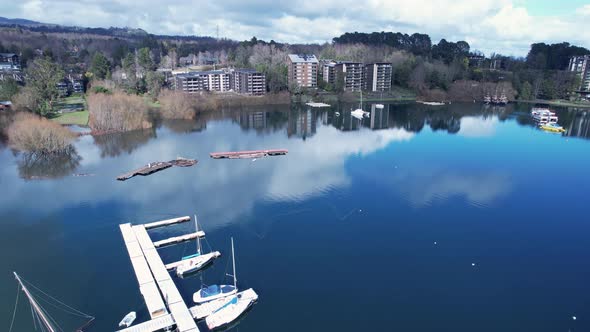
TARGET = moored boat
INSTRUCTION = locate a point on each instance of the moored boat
(552, 127)
(128, 319)
(197, 261)
(214, 292)
(234, 307)
(543, 116)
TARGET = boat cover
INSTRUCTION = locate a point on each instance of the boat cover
(211, 290)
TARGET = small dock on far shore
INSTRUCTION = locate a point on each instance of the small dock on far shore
(156, 167)
(248, 154)
(317, 105)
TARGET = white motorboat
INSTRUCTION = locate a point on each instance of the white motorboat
(128, 319)
(197, 261)
(544, 116)
(379, 106)
(214, 292)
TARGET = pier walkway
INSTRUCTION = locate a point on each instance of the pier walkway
(162, 298)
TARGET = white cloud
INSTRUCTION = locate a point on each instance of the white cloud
(504, 26)
(584, 10)
(478, 126)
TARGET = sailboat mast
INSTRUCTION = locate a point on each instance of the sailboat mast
(198, 238)
(34, 304)
(233, 258)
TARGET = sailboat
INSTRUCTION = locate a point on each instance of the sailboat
(197, 261)
(232, 308)
(359, 113)
(41, 315)
(214, 292)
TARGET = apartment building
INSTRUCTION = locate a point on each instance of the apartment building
(248, 82)
(581, 66)
(378, 77)
(352, 75)
(329, 71)
(191, 82)
(302, 70)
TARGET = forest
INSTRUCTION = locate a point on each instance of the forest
(130, 57)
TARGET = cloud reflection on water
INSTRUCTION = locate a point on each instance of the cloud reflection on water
(224, 190)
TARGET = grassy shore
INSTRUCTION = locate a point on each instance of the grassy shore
(79, 118)
(71, 110)
(562, 103)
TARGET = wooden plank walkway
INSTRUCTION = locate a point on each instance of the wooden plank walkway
(178, 239)
(179, 311)
(166, 222)
(248, 154)
(147, 284)
(157, 324)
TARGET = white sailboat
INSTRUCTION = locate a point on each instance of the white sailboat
(214, 292)
(359, 113)
(232, 308)
(195, 262)
(41, 315)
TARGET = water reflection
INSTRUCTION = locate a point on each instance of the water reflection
(113, 145)
(33, 166)
(320, 145)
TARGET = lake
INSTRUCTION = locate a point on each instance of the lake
(420, 218)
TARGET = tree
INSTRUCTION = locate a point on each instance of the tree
(155, 81)
(42, 77)
(8, 88)
(144, 60)
(526, 93)
(100, 67)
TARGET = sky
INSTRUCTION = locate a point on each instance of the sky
(500, 26)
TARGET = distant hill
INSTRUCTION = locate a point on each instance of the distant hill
(19, 21)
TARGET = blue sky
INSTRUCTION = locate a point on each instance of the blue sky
(552, 7)
(500, 26)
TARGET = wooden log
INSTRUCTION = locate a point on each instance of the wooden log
(248, 154)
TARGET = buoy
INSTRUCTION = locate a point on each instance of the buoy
(472, 264)
(574, 317)
(434, 242)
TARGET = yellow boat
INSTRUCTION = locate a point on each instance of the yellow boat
(552, 127)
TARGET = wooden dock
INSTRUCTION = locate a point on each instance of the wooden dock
(317, 105)
(157, 166)
(162, 298)
(248, 154)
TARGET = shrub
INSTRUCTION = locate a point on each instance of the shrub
(31, 133)
(117, 112)
(176, 105)
(26, 100)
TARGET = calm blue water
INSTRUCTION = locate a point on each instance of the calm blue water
(458, 218)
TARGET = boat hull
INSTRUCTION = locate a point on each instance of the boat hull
(231, 312)
(195, 264)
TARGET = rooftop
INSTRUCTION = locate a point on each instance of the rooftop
(303, 58)
(197, 73)
(7, 55)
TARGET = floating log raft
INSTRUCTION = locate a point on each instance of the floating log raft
(248, 154)
(156, 167)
